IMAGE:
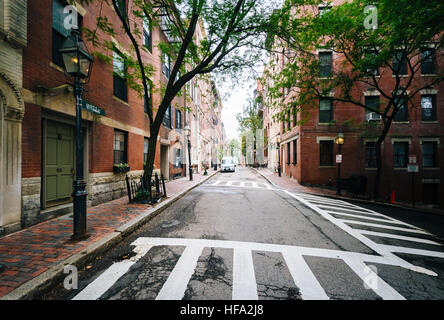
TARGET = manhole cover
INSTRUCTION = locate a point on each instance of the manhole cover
(170, 224)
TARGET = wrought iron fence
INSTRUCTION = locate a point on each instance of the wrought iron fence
(151, 191)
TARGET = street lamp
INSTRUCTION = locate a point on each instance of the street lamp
(339, 140)
(188, 134)
(77, 65)
(278, 140)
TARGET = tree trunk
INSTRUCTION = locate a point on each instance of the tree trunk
(152, 146)
(376, 189)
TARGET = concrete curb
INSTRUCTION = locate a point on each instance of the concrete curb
(389, 205)
(32, 288)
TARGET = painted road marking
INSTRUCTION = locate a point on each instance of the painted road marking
(106, 280)
(244, 279)
(380, 287)
(398, 237)
(385, 251)
(304, 278)
(176, 284)
(242, 184)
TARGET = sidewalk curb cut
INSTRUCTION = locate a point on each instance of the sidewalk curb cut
(388, 205)
(32, 288)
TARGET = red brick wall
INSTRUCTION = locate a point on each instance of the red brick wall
(31, 141)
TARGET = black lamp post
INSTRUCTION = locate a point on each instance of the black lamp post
(339, 140)
(78, 63)
(188, 134)
(278, 140)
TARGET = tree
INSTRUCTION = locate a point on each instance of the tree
(228, 26)
(249, 122)
(380, 46)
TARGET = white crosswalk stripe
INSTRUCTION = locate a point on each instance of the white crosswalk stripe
(244, 286)
(241, 184)
(370, 219)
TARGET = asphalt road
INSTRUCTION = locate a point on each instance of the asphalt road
(238, 237)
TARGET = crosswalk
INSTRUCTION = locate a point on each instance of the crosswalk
(241, 184)
(363, 224)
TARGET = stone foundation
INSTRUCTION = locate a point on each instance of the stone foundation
(31, 188)
(108, 186)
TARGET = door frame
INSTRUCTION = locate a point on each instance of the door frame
(64, 120)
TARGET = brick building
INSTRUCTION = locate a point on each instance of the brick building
(308, 151)
(13, 39)
(118, 133)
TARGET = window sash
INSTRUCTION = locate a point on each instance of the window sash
(295, 151)
(326, 153)
(370, 155)
(178, 119)
(119, 150)
(167, 118)
(372, 104)
(429, 154)
(147, 35)
(400, 63)
(428, 108)
(402, 113)
(428, 62)
(325, 110)
(325, 64)
(400, 154)
(288, 153)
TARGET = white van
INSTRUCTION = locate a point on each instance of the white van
(228, 164)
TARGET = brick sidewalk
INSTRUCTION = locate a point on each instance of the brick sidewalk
(30, 252)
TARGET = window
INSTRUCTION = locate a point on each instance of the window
(371, 56)
(120, 142)
(400, 154)
(121, 6)
(149, 104)
(372, 104)
(289, 119)
(400, 63)
(427, 61)
(370, 155)
(178, 119)
(59, 32)
(428, 108)
(288, 153)
(119, 71)
(326, 153)
(325, 62)
(147, 35)
(295, 118)
(166, 65)
(325, 110)
(295, 151)
(145, 149)
(167, 118)
(429, 154)
(402, 113)
(177, 158)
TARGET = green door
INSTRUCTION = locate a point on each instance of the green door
(59, 162)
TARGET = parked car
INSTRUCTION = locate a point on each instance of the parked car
(228, 164)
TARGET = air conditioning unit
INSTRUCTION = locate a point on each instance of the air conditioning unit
(372, 116)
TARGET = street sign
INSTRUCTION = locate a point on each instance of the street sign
(339, 158)
(412, 159)
(413, 168)
(92, 108)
